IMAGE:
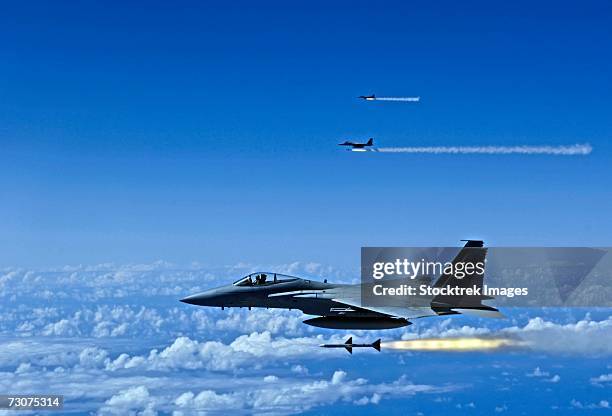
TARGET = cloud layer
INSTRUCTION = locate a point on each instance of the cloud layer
(122, 330)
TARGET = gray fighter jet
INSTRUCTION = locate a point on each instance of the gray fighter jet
(368, 97)
(339, 306)
(358, 147)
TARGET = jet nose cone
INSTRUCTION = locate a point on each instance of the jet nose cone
(211, 297)
(192, 300)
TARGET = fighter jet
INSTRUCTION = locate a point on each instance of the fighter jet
(358, 147)
(339, 306)
(348, 344)
(368, 97)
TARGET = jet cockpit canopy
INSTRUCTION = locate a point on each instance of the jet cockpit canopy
(263, 279)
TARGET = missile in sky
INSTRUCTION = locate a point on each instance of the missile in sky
(348, 344)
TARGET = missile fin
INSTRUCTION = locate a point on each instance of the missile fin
(376, 345)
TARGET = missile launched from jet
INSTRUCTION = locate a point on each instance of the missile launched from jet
(349, 345)
(375, 98)
(359, 147)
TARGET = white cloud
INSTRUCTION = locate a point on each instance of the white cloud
(538, 373)
(270, 379)
(208, 400)
(602, 379)
(103, 326)
(294, 396)
(63, 327)
(93, 357)
(338, 377)
(602, 404)
(585, 337)
(133, 401)
(134, 386)
(374, 399)
(23, 368)
(260, 320)
(299, 369)
(252, 350)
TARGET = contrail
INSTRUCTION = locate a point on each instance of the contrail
(408, 99)
(572, 150)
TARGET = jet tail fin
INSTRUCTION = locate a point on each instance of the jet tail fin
(475, 253)
(376, 345)
(370, 142)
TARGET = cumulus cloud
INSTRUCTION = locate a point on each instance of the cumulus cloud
(585, 337)
(273, 321)
(602, 379)
(135, 301)
(63, 327)
(132, 401)
(93, 357)
(286, 396)
(537, 373)
(132, 394)
(544, 375)
(602, 404)
(373, 399)
(23, 368)
(251, 350)
(135, 384)
(501, 408)
(299, 369)
(122, 329)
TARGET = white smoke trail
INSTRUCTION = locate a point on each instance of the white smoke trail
(573, 150)
(409, 99)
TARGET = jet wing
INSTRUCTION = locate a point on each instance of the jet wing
(415, 312)
(349, 300)
(392, 311)
(350, 297)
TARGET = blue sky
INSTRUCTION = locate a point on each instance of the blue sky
(207, 132)
(139, 139)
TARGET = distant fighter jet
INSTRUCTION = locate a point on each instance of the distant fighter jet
(358, 147)
(348, 344)
(339, 306)
(368, 97)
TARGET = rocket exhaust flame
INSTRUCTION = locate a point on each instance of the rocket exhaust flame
(453, 344)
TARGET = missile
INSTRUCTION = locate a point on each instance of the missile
(349, 345)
